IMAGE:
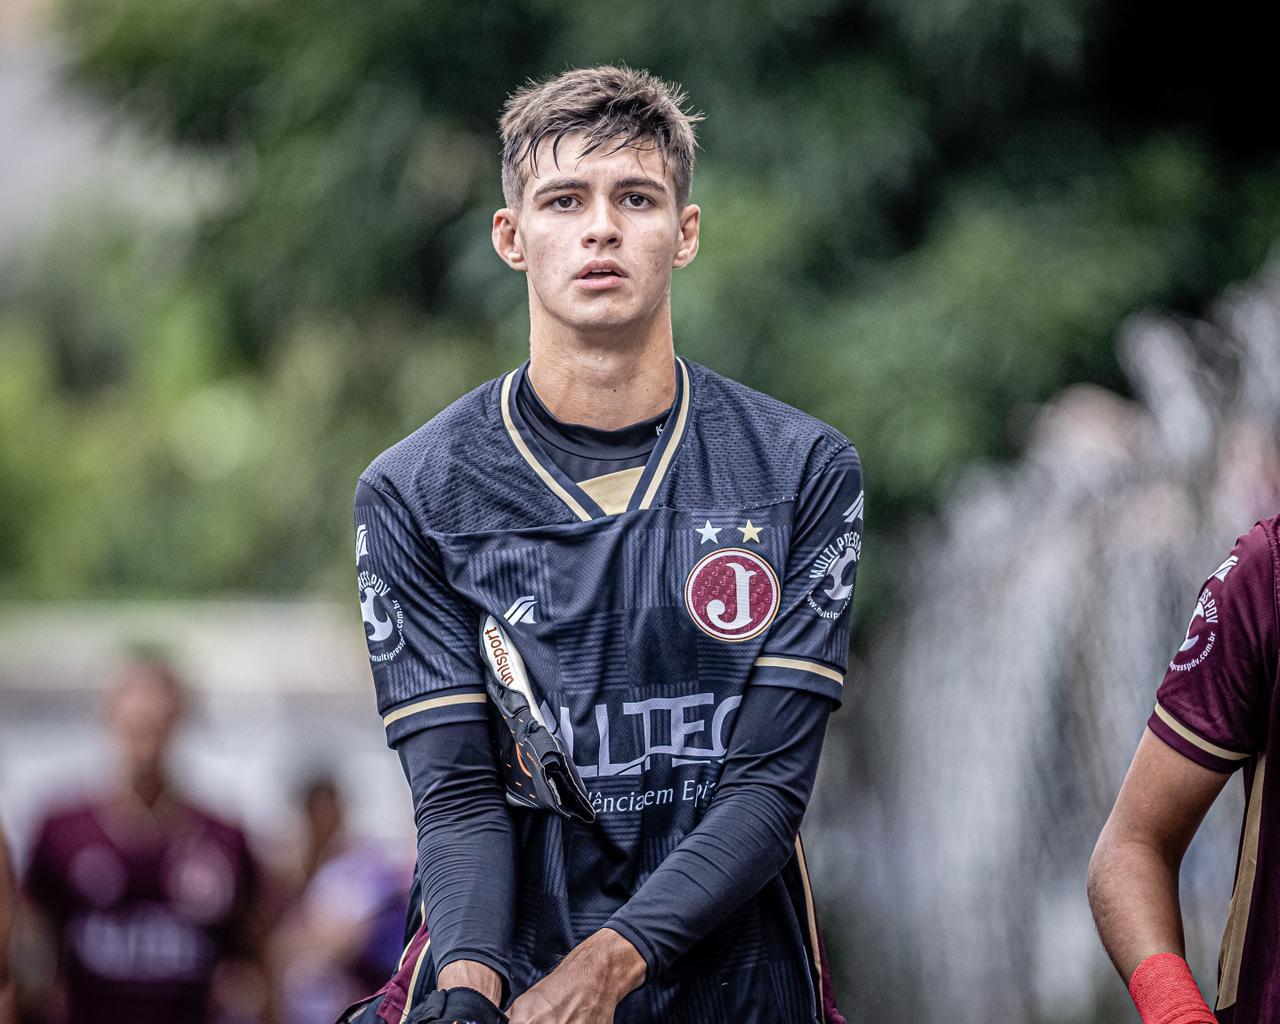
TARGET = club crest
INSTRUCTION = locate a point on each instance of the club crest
(732, 594)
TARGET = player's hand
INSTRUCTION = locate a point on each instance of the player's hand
(587, 986)
(456, 1006)
(564, 997)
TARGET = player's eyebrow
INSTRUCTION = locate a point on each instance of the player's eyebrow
(577, 184)
(561, 185)
(649, 183)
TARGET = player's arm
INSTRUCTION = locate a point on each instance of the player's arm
(1133, 874)
(749, 830)
(747, 834)
(430, 688)
(1209, 718)
(466, 853)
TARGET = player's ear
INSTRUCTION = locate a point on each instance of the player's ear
(687, 247)
(506, 242)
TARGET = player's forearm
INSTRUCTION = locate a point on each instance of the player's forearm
(466, 846)
(1133, 891)
(468, 881)
(744, 841)
(470, 974)
(747, 834)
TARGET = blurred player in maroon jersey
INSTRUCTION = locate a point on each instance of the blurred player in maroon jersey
(6, 928)
(1214, 713)
(145, 894)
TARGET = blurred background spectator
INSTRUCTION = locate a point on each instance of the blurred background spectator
(147, 898)
(243, 247)
(342, 930)
(8, 901)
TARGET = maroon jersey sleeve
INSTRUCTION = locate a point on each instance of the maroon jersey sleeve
(1214, 702)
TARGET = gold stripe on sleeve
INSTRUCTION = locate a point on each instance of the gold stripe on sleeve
(413, 982)
(552, 483)
(677, 432)
(434, 702)
(422, 908)
(812, 915)
(1199, 741)
(799, 665)
(1242, 895)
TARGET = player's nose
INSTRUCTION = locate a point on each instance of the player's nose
(602, 226)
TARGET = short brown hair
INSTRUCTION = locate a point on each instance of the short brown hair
(607, 104)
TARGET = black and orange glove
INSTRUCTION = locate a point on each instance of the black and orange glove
(456, 1006)
(539, 773)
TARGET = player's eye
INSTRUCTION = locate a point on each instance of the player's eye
(637, 200)
(562, 203)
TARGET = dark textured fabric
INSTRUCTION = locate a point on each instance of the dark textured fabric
(730, 571)
(142, 918)
(1217, 706)
(466, 855)
(747, 834)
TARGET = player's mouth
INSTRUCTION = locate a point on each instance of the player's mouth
(600, 275)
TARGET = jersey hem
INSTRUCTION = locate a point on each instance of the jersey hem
(424, 712)
(793, 673)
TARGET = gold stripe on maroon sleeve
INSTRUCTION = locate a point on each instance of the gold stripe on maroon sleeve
(1196, 740)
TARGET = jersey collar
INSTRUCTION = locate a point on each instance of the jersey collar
(581, 504)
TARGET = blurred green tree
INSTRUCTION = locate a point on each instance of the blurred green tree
(920, 220)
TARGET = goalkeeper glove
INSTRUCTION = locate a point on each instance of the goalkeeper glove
(456, 1006)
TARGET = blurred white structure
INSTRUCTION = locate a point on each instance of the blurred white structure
(1000, 714)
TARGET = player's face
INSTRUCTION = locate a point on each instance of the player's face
(143, 714)
(598, 236)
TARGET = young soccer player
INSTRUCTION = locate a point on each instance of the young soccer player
(1214, 713)
(672, 556)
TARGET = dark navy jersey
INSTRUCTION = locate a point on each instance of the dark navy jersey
(642, 614)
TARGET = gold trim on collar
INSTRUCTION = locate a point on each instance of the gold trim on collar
(538, 467)
(673, 442)
(613, 491)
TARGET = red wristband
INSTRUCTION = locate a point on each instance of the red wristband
(1165, 992)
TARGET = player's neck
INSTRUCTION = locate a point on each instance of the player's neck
(146, 790)
(605, 383)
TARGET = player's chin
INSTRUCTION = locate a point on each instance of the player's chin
(603, 316)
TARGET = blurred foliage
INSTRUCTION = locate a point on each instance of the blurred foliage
(920, 219)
